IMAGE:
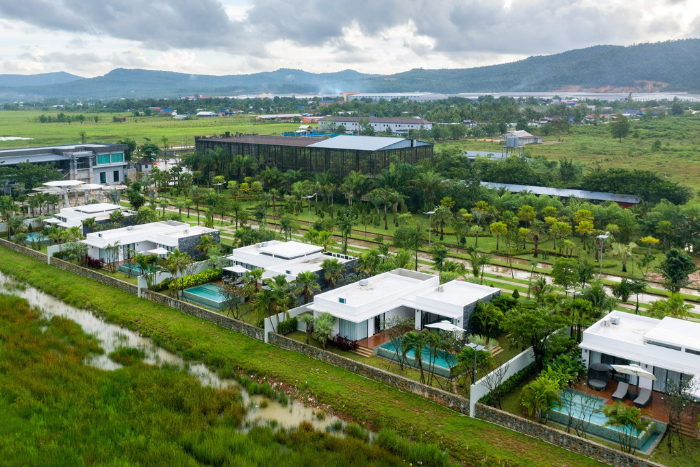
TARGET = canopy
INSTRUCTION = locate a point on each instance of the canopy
(445, 326)
(64, 183)
(634, 370)
(158, 251)
(90, 187)
(52, 220)
(236, 268)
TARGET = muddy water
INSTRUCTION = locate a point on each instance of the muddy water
(113, 337)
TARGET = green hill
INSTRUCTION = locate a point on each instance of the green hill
(670, 66)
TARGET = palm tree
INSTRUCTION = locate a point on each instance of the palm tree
(417, 341)
(624, 252)
(325, 239)
(180, 206)
(176, 264)
(14, 225)
(629, 422)
(441, 218)
(498, 228)
(306, 281)
(664, 228)
(533, 265)
(333, 271)
(308, 320)
(428, 182)
(541, 396)
(206, 242)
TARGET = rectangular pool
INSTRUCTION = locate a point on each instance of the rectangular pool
(442, 368)
(131, 268)
(38, 237)
(210, 295)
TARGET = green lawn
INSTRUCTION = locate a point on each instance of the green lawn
(377, 405)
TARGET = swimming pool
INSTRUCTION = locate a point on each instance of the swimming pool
(442, 368)
(210, 295)
(132, 268)
(597, 427)
(38, 237)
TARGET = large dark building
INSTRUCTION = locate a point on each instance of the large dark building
(339, 155)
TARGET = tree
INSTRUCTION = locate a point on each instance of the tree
(679, 397)
(439, 254)
(441, 218)
(332, 271)
(306, 281)
(629, 422)
(410, 236)
(177, 263)
(395, 328)
(323, 327)
(308, 320)
(541, 396)
(649, 241)
(665, 228)
(676, 267)
(206, 242)
(346, 221)
(428, 183)
(416, 341)
(674, 307)
(233, 298)
(532, 327)
(638, 286)
(498, 228)
(565, 272)
(620, 127)
(14, 225)
(490, 317)
(623, 252)
(163, 203)
(622, 290)
(584, 228)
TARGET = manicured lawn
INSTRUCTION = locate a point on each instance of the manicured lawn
(377, 405)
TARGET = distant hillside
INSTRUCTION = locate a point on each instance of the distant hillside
(670, 66)
(41, 79)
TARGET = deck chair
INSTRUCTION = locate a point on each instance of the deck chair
(621, 393)
(643, 399)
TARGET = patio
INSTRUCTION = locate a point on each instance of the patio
(374, 341)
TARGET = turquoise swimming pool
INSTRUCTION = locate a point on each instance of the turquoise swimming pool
(442, 367)
(134, 270)
(210, 295)
(37, 237)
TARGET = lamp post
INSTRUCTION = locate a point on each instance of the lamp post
(430, 220)
(602, 239)
(308, 199)
(477, 348)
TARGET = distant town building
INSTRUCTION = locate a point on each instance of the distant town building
(279, 117)
(379, 124)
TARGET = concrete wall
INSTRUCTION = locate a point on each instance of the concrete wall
(279, 317)
(517, 363)
(94, 275)
(24, 250)
(455, 401)
(559, 438)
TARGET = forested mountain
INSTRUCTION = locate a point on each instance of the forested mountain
(670, 66)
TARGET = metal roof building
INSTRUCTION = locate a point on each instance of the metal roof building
(622, 200)
(339, 155)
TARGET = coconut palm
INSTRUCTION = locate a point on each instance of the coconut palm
(629, 423)
(541, 396)
(307, 282)
(429, 183)
(441, 218)
(15, 224)
(416, 341)
(332, 271)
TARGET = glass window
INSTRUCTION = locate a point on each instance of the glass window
(116, 176)
(353, 331)
(103, 177)
(662, 344)
(103, 158)
(117, 157)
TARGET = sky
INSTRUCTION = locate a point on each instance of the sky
(220, 37)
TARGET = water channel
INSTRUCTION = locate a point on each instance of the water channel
(113, 337)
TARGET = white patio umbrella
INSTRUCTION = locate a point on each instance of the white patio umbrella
(445, 326)
(634, 370)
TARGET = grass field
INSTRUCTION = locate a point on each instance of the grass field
(25, 124)
(374, 404)
(56, 410)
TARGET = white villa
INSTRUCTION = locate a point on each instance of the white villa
(361, 307)
(669, 348)
(157, 238)
(74, 216)
(283, 258)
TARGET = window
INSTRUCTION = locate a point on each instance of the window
(103, 177)
(117, 157)
(103, 158)
(341, 300)
(694, 352)
(116, 176)
(661, 344)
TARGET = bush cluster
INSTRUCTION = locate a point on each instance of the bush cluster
(343, 343)
(209, 275)
(287, 326)
(510, 384)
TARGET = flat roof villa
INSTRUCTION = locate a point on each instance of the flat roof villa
(74, 217)
(669, 348)
(361, 307)
(157, 238)
(284, 258)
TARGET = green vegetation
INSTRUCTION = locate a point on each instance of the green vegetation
(364, 400)
(127, 356)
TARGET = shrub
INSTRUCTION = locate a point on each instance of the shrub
(343, 343)
(127, 356)
(209, 275)
(413, 453)
(550, 252)
(260, 323)
(94, 263)
(513, 252)
(354, 430)
(287, 326)
(510, 384)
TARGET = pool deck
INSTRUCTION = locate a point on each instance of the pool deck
(656, 409)
(374, 341)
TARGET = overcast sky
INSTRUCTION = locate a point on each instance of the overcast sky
(92, 37)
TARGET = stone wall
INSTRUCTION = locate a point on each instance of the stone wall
(94, 275)
(193, 310)
(559, 438)
(451, 400)
(24, 250)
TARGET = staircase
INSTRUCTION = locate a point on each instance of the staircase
(495, 351)
(690, 430)
(364, 352)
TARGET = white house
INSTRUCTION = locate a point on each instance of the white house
(379, 124)
(157, 238)
(361, 307)
(669, 348)
(74, 216)
(284, 258)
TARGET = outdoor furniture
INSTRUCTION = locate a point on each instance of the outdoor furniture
(643, 399)
(598, 376)
(597, 384)
(621, 393)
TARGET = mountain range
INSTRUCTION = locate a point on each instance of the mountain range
(668, 66)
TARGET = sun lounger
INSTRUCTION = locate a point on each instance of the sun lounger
(643, 399)
(621, 392)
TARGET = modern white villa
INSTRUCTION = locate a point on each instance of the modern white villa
(283, 258)
(158, 238)
(361, 307)
(668, 348)
(74, 217)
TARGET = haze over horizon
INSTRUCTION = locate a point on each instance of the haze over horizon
(221, 37)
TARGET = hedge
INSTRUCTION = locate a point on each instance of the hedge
(287, 326)
(510, 384)
(209, 275)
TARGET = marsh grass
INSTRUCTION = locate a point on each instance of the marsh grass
(127, 356)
